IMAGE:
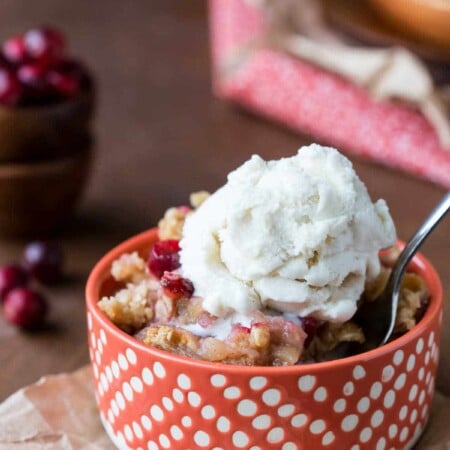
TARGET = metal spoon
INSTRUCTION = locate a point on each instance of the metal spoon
(377, 318)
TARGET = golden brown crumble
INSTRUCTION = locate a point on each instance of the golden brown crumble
(330, 335)
(375, 287)
(171, 338)
(413, 296)
(130, 308)
(129, 268)
(197, 198)
(389, 258)
(171, 225)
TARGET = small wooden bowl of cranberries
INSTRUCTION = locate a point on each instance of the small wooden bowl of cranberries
(46, 97)
(46, 105)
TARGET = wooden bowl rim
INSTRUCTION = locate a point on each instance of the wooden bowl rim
(86, 96)
(46, 167)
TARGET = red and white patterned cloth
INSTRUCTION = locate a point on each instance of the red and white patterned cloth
(315, 101)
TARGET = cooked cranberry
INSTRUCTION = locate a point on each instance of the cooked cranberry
(44, 44)
(25, 308)
(205, 319)
(10, 88)
(175, 286)
(64, 84)
(11, 277)
(164, 257)
(310, 326)
(14, 50)
(238, 328)
(44, 260)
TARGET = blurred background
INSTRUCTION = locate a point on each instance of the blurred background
(157, 132)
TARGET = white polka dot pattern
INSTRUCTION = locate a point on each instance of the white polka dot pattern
(349, 422)
(320, 394)
(271, 397)
(340, 405)
(184, 382)
(379, 406)
(261, 422)
(349, 388)
(257, 383)
(306, 383)
(240, 439)
(202, 438)
(247, 408)
(223, 424)
(275, 435)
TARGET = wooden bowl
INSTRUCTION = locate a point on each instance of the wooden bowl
(425, 19)
(37, 198)
(38, 133)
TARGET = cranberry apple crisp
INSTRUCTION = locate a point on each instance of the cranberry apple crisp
(157, 305)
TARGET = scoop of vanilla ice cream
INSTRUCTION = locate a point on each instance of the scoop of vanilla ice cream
(298, 235)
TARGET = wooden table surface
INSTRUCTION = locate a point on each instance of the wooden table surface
(160, 135)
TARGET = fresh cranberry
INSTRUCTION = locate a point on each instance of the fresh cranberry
(10, 88)
(11, 277)
(14, 50)
(33, 78)
(310, 326)
(25, 308)
(44, 44)
(64, 84)
(44, 261)
(164, 257)
(77, 70)
(175, 286)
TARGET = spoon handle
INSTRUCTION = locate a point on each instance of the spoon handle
(393, 286)
(421, 234)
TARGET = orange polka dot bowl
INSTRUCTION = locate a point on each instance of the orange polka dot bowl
(151, 399)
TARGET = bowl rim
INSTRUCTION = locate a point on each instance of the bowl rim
(84, 96)
(101, 271)
(47, 166)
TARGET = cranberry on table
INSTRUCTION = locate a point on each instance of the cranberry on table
(44, 44)
(175, 286)
(44, 261)
(164, 256)
(14, 50)
(11, 277)
(25, 308)
(10, 88)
